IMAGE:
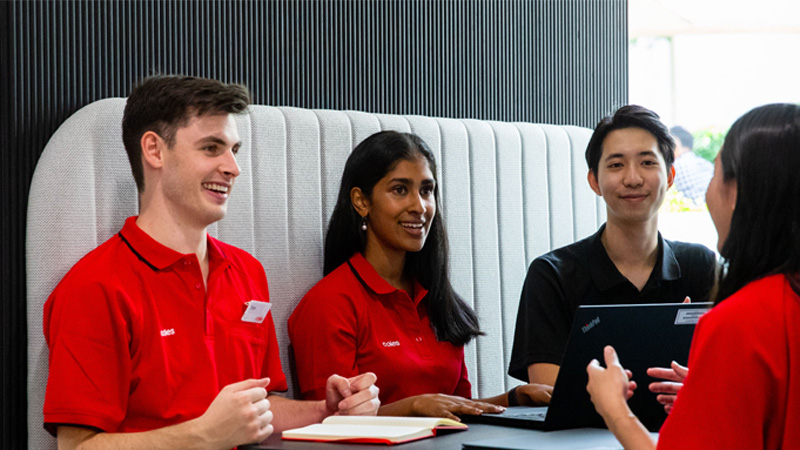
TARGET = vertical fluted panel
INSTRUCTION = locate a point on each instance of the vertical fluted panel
(550, 61)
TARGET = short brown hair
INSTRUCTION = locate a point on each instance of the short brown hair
(165, 103)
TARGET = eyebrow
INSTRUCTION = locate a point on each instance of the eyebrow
(216, 140)
(408, 180)
(641, 153)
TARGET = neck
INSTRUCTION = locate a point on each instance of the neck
(389, 265)
(171, 231)
(631, 244)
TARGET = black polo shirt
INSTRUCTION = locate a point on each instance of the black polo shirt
(583, 274)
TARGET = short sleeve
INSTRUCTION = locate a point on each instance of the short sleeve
(324, 332)
(88, 336)
(543, 324)
(272, 363)
(733, 388)
(464, 387)
(702, 276)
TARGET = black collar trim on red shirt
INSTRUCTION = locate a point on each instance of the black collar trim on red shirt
(138, 255)
(357, 275)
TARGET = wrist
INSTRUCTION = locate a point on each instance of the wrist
(511, 396)
(324, 410)
(198, 435)
(619, 417)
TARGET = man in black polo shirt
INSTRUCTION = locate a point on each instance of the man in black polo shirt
(630, 159)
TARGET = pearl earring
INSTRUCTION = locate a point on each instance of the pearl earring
(364, 223)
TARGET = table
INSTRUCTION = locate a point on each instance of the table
(479, 436)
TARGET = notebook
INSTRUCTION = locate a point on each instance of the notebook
(644, 336)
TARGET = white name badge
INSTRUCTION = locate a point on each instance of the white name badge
(256, 311)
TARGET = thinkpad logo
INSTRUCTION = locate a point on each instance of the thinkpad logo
(590, 325)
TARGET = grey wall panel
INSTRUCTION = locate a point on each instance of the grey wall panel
(551, 61)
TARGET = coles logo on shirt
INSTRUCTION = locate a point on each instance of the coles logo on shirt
(167, 332)
(389, 344)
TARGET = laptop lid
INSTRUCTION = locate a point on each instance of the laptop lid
(647, 335)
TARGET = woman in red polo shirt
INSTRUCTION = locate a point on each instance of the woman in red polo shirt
(743, 385)
(386, 304)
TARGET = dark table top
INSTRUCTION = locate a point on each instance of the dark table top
(478, 436)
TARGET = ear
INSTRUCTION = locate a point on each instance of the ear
(359, 201)
(152, 149)
(670, 176)
(731, 186)
(592, 178)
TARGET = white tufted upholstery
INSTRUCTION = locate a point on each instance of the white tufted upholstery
(511, 191)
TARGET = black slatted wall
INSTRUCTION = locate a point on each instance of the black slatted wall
(554, 61)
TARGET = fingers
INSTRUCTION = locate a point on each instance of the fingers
(339, 384)
(360, 402)
(665, 387)
(441, 405)
(483, 407)
(248, 384)
(663, 373)
(610, 356)
(262, 406)
(366, 408)
(680, 371)
(631, 390)
(362, 381)
(666, 399)
(594, 366)
(687, 300)
(252, 389)
(474, 408)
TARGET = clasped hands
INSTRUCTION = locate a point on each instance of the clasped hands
(242, 413)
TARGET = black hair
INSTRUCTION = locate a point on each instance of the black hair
(165, 103)
(452, 319)
(683, 136)
(762, 154)
(630, 116)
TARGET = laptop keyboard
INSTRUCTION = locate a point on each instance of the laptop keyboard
(535, 415)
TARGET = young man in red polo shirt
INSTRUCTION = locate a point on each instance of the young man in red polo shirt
(160, 337)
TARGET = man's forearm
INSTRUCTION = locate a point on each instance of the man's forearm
(288, 414)
(182, 436)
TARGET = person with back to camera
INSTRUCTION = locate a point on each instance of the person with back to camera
(741, 390)
(151, 342)
(386, 304)
(692, 173)
(626, 262)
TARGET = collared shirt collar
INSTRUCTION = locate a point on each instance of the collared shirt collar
(157, 255)
(605, 273)
(373, 281)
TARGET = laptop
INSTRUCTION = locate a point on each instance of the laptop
(651, 335)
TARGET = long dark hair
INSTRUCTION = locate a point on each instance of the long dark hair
(762, 153)
(451, 318)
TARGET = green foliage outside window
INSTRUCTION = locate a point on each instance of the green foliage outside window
(707, 143)
(674, 201)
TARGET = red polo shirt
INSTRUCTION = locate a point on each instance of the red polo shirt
(137, 342)
(353, 321)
